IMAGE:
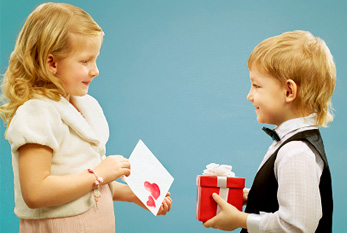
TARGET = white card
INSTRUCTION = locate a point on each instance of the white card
(149, 179)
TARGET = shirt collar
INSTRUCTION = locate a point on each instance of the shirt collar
(294, 124)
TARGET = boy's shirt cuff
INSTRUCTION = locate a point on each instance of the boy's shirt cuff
(253, 222)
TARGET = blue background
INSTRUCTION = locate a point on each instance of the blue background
(174, 74)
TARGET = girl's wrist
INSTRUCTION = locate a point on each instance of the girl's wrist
(98, 179)
(131, 197)
(122, 192)
(96, 184)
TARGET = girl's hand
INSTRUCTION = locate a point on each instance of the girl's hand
(122, 192)
(165, 205)
(113, 167)
(228, 219)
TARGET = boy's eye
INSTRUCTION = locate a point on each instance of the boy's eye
(255, 86)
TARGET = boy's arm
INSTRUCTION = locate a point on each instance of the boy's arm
(229, 218)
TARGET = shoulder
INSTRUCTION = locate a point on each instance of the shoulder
(37, 107)
(38, 111)
(294, 147)
(297, 153)
(294, 151)
(36, 121)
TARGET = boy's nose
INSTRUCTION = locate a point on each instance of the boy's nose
(250, 96)
(95, 71)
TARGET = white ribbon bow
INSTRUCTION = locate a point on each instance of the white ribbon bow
(214, 169)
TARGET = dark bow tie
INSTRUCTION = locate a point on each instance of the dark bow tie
(272, 134)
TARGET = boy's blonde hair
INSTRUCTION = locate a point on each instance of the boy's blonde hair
(48, 30)
(305, 59)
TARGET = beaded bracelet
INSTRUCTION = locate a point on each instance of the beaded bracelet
(96, 191)
(98, 178)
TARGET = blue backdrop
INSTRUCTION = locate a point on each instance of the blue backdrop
(174, 74)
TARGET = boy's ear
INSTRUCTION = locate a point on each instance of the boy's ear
(291, 90)
(51, 64)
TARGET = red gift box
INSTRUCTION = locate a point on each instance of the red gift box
(230, 188)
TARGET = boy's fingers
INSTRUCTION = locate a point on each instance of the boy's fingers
(220, 201)
(209, 223)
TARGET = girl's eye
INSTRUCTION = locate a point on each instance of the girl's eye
(85, 61)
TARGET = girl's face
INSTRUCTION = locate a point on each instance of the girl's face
(268, 96)
(79, 69)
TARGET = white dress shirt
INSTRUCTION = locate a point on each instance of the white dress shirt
(297, 170)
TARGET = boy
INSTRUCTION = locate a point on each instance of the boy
(293, 78)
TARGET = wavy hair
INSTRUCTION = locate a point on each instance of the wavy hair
(305, 59)
(47, 31)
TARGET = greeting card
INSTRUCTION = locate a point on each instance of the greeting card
(149, 179)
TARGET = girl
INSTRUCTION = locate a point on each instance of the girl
(62, 179)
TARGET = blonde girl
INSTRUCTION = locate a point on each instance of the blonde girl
(62, 179)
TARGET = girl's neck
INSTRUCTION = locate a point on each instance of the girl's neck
(69, 98)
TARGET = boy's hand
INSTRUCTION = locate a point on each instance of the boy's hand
(228, 219)
(245, 196)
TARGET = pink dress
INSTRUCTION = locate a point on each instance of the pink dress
(98, 219)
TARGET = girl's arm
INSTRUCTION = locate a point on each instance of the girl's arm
(41, 189)
(122, 192)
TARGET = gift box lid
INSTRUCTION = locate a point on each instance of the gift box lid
(211, 181)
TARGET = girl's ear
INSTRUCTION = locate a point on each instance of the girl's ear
(51, 64)
(291, 90)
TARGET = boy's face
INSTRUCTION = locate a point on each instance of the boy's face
(267, 95)
(79, 69)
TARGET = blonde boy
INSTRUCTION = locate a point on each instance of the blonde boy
(293, 78)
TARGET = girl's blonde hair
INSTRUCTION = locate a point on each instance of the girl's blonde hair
(305, 59)
(47, 31)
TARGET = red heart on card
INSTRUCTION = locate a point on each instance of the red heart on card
(150, 202)
(153, 188)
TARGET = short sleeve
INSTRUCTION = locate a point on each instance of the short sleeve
(36, 121)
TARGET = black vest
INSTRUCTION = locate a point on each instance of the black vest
(263, 193)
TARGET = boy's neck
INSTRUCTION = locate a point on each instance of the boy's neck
(296, 115)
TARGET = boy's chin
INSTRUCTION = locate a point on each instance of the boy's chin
(260, 120)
